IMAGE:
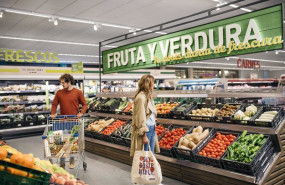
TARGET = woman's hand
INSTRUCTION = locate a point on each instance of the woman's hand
(145, 139)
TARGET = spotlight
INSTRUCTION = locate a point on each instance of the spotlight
(55, 22)
(218, 9)
(266, 51)
(95, 27)
(1, 13)
(227, 58)
(276, 52)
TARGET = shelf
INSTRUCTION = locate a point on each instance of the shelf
(25, 113)
(20, 92)
(6, 103)
(197, 166)
(272, 93)
(224, 126)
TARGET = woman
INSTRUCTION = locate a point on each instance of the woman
(143, 120)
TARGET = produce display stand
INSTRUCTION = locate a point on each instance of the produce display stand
(195, 173)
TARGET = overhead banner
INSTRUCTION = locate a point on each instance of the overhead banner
(249, 33)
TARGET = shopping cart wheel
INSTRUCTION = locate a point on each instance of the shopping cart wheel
(84, 166)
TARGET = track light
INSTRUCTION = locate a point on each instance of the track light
(1, 13)
(55, 22)
(95, 27)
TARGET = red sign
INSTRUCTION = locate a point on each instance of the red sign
(244, 63)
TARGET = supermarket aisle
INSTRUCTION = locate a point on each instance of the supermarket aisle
(100, 170)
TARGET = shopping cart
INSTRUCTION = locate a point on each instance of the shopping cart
(63, 138)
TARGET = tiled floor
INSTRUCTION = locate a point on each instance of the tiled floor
(100, 170)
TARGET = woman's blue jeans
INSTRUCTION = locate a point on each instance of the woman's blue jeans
(151, 137)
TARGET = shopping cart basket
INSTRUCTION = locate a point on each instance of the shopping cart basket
(63, 138)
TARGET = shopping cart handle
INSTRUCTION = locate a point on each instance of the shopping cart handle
(65, 116)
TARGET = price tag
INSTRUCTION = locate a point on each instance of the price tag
(31, 123)
(37, 90)
(36, 112)
(29, 102)
(19, 125)
(18, 91)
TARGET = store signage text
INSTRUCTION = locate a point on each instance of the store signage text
(28, 56)
(244, 63)
(243, 34)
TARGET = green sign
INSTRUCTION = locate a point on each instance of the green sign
(78, 68)
(249, 33)
(28, 56)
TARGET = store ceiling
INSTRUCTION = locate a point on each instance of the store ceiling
(127, 13)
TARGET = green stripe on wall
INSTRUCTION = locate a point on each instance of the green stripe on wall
(90, 71)
(167, 72)
(135, 72)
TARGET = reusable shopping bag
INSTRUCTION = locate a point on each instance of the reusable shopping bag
(145, 168)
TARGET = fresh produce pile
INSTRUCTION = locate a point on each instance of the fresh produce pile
(190, 141)
(121, 131)
(129, 108)
(227, 110)
(249, 112)
(128, 132)
(216, 147)
(12, 109)
(266, 117)
(246, 147)
(182, 108)
(204, 112)
(159, 129)
(165, 108)
(170, 138)
(122, 106)
(97, 126)
(112, 104)
(111, 128)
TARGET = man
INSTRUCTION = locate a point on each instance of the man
(69, 99)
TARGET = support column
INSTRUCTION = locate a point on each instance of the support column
(223, 73)
(190, 73)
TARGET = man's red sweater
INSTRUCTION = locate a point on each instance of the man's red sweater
(69, 102)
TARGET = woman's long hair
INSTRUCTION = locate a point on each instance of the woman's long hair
(145, 84)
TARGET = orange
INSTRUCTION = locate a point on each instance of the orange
(11, 170)
(2, 168)
(20, 173)
(3, 153)
(17, 158)
(28, 161)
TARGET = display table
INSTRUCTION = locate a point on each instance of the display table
(194, 173)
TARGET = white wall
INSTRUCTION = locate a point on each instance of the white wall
(247, 73)
(275, 74)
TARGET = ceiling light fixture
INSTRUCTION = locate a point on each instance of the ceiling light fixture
(55, 22)
(95, 27)
(53, 41)
(246, 9)
(70, 19)
(233, 5)
(1, 13)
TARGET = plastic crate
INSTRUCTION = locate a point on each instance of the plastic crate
(225, 119)
(119, 139)
(127, 141)
(184, 154)
(182, 115)
(166, 115)
(275, 121)
(208, 160)
(36, 177)
(252, 167)
(170, 152)
(203, 118)
(265, 164)
(245, 122)
(7, 124)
